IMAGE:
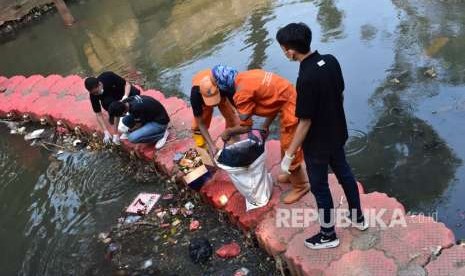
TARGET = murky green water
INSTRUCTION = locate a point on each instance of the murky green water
(407, 128)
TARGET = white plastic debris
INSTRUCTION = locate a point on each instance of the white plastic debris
(36, 134)
(189, 206)
(77, 142)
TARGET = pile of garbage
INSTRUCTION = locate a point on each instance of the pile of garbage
(179, 235)
(188, 161)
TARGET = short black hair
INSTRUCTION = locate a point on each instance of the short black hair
(90, 83)
(295, 36)
(116, 109)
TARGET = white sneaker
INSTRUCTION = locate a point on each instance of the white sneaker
(362, 226)
(160, 143)
(123, 136)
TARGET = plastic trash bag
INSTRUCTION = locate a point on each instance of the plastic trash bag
(200, 250)
(253, 182)
(244, 152)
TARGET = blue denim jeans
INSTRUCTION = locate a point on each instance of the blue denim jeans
(317, 170)
(150, 132)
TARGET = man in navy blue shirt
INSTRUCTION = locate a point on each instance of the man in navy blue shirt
(322, 130)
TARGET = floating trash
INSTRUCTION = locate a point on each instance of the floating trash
(357, 142)
(36, 134)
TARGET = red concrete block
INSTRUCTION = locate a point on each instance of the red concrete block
(2, 79)
(182, 120)
(218, 188)
(78, 113)
(9, 85)
(380, 201)
(36, 91)
(63, 85)
(450, 262)
(304, 261)
(276, 229)
(415, 243)
(164, 156)
(247, 221)
(157, 95)
(173, 105)
(6, 90)
(78, 90)
(355, 263)
(147, 152)
(25, 87)
(13, 99)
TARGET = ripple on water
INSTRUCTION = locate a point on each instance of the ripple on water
(70, 204)
(357, 142)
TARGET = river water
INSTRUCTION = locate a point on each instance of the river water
(407, 127)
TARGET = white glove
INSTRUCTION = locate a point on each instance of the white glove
(286, 162)
(116, 139)
(106, 137)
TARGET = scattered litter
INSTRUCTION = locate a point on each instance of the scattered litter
(143, 203)
(36, 134)
(194, 225)
(161, 214)
(200, 250)
(436, 250)
(19, 131)
(43, 121)
(60, 152)
(177, 157)
(131, 219)
(111, 250)
(430, 73)
(242, 272)
(174, 211)
(76, 142)
(229, 250)
(165, 225)
(102, 236)
(176, 222)
(147, 264)
(189, 206)
(168, 197)
(395, 81)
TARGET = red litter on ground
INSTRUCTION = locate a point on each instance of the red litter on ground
(229, 250)
(195, 224)
(143, 203)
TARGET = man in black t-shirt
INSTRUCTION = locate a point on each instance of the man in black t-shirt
(322, 130)
(147, 120)
(108, 87)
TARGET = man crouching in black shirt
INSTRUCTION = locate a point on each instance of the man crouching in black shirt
(322, 130)
(147, 119)
(105, 89)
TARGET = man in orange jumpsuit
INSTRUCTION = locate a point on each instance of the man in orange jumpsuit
(204, 97)
(261, 93)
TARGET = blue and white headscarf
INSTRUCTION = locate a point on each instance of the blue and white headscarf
(224, 77)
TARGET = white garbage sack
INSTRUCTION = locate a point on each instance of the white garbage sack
(253, 182)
